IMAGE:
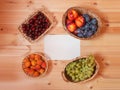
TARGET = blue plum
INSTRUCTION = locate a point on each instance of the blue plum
(94, 21)
(87, 17)
(80, 35)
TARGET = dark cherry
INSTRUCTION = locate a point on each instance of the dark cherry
(36, 26)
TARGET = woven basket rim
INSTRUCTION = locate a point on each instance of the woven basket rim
(49, 16)
(86, 80)
(83, 10)
(44, 58)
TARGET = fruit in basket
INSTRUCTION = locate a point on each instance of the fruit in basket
(93, 27)
(43, 65)
(34, 65)
(41, 71)
(80, 35)
(72, 14)
(71, 27)
(36, 26)
(36, 74)
(83, 24)
(37, 57)
(31, 71)
(79, 21)
(86, 17)
(94, 21)
(88, 29)
(39, 62)
(33, 62)
(68, 21)
(81, 69)
(27, 64)
(37, 67)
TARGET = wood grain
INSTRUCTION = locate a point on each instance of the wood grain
(13, 47)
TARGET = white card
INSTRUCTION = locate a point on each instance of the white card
(61, 47)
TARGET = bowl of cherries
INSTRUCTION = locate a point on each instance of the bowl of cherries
(81, 23)
(37, 25)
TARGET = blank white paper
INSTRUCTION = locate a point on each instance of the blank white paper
(61, 47)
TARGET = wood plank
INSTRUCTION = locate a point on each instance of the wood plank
(20, 50)
(19, 16)
(13, 47)
(29, 4)
(109, 4)
(26, 4)
(107, 84)
(17, 39)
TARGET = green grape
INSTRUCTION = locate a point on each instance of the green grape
(81, 69)
(91, 57)
(76, 71)
(73, 71)
(70, 74)
(73, 78)
(77, 79)
(77, 65)
(91, 69)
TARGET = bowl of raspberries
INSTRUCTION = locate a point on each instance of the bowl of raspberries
(81, 23)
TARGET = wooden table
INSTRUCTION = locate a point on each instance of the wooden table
(13, 46)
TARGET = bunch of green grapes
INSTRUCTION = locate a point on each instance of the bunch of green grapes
(81, 69)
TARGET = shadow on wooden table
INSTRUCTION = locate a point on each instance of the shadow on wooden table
(50, 66)
(100, 60)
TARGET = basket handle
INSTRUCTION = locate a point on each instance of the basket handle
(63, 76)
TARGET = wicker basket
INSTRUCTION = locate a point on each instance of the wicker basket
(45, 58)
(82, 11)
(68, 79)
(50, 17)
